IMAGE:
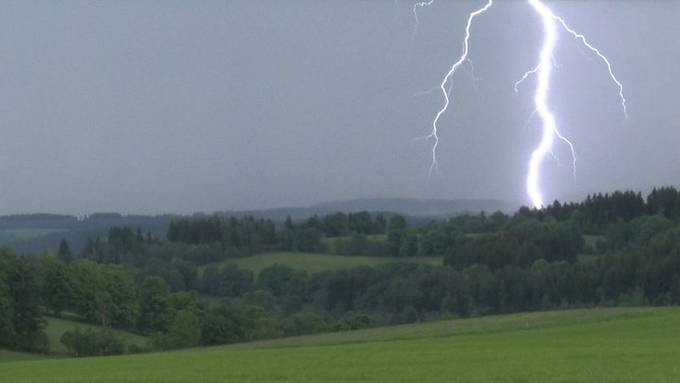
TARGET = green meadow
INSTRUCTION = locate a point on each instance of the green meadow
(56, 327)
(597, 345)
(316, 262)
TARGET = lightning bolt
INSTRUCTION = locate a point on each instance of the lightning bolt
(602, 57)
(449, 78)
(421, 4)
(543, 70)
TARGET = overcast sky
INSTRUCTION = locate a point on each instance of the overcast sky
(182, 106)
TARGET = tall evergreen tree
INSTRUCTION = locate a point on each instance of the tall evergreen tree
(64, 252)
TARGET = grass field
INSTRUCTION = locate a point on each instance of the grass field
(600, 345)
(312, 262)
(13, 356)
(371, 237)
(56, 327)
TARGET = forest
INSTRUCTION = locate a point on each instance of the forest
(612, 249)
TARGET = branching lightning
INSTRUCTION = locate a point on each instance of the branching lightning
(543, 71)
(585, 42)
(415, 13)
(449, 77)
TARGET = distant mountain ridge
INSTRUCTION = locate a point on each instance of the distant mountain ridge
(413, 206)
(406, 206)
(30, 233)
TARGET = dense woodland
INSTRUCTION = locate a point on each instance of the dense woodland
(181, 293)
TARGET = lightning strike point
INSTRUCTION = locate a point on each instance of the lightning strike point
(541, 102)
(543, 71)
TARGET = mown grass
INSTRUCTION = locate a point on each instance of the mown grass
(620, 345)
(314, 262)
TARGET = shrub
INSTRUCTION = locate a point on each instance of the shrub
(89, 342)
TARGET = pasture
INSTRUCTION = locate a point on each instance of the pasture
(598, 345)
(316, 262)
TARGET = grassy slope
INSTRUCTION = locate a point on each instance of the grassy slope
(370, 237)
(620, 345)
(13, 356)
(313, 263)
(446, 328)
(56, 327)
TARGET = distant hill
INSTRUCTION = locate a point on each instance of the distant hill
(31, 233)
(413, 207)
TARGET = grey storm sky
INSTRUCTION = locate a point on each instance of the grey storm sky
(182, 106)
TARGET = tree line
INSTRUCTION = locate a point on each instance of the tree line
(180, 294)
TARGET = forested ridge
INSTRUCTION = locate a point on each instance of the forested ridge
(610, 249)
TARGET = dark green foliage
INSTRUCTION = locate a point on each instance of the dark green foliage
(156, 310)
(647, 227)
(409, 244)
(21, 323)
(187, 301)
(223, 324)
(6, 314)
(361, 223)
(596, 212)
(88, 342)
(246, 234)
(56, 289)
(519, 244)
(307, 240)
(230, 281)
(103, 294)
(282, 281)
(183, 331)
(85, 289)
(210, 281)
(64, 252)
(533, 260)
(355, 322)
(396, 232)
(118, 303)
(305, 322)
(663, 201)
(335, 225)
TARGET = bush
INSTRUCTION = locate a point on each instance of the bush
(137, 349)
(184, 331)
(36, 341)
(353, 323)
(89, 342)
(304, 323)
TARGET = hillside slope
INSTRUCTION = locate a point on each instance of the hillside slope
(573, 346)
(314, 262)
